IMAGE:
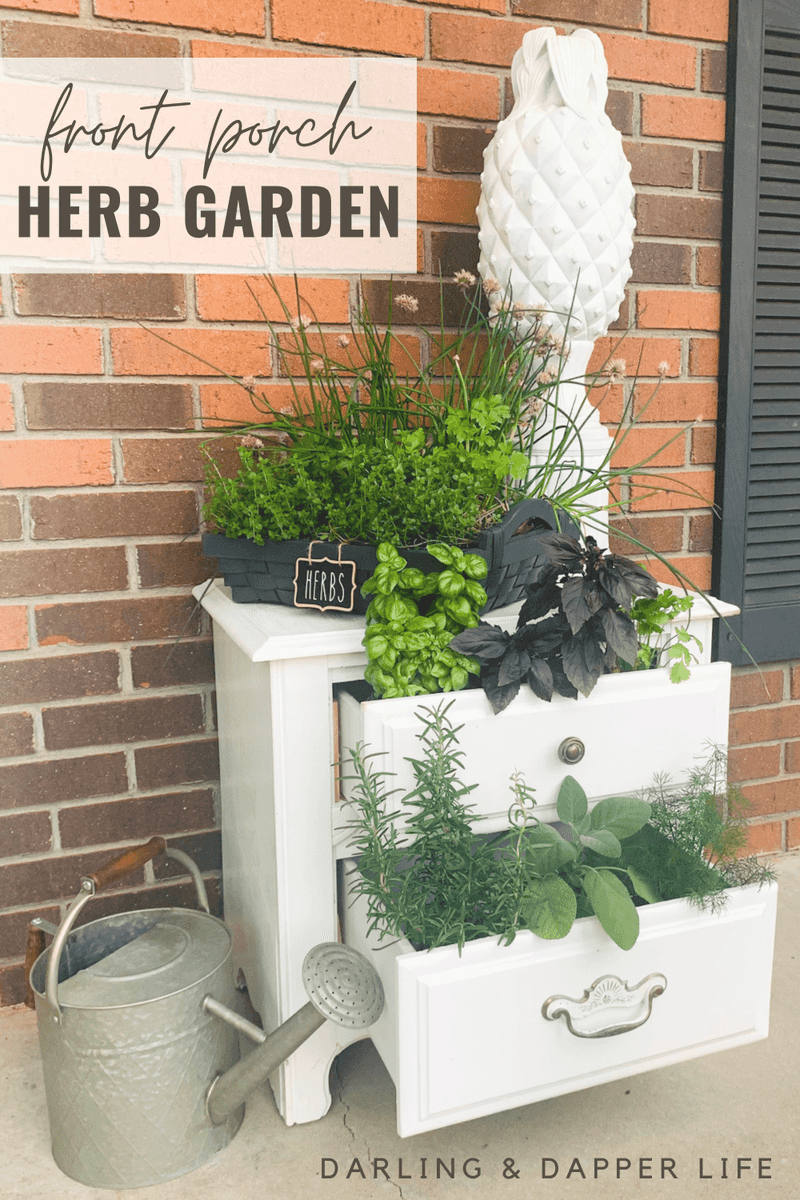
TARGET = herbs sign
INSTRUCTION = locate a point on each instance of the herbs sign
(324, 584)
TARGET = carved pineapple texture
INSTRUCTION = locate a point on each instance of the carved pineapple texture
(555, 206)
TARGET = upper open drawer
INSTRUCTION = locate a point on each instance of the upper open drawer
(632, 726)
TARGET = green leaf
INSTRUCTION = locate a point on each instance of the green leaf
(571, 804)
(602, 841)
(451, 583)
(387, 554)
(643, 887)
(678, 672)
(549, 907)
(443, 554)
(621, 815)
(612, 906)
(475, 567)
(376, 646)
(546, 851)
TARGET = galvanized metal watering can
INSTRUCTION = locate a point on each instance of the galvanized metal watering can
(139, 1040)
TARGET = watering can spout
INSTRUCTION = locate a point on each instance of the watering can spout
(343, 987)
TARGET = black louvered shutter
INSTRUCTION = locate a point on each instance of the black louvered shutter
(757, 538)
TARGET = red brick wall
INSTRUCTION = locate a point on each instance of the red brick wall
(104, 739)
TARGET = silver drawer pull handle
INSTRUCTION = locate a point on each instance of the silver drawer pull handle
(571, 750)
(606, 995)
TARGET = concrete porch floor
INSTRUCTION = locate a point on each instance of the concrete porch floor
(738, 1104)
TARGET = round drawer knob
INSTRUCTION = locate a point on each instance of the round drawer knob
(571, 750)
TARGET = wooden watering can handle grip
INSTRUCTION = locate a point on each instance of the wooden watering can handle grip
(127, 862)
(33, 949)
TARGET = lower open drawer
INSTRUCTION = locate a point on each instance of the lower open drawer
(463, 1036)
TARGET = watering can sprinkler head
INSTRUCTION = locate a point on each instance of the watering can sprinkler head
(343, 987)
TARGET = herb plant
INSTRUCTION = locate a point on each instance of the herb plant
(428, 876)
(573, 626)
(375, 447)
(412, 618)
(650, 615)
(693, 844)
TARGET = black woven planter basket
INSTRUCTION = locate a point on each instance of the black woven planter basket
(265, 574)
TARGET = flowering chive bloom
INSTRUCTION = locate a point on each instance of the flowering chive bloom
(249, 382)
(663, 368)
(490, 286)
(408, 303)
(464, 279)
(317, 365)
(300, 322)
(343, 340)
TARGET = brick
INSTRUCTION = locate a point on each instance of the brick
(482, 40)
(704, 445)
(642, 355)
(648, 60)
(619, 14)
(243, 298)
(661, 262)
(640, 445)
(229, 404)
(114, 514)
(792, 758)
(12, 984)
(695, 117)
(69, 8)
(25, 833)
(122, 721)
(453, 251)
(709, 266)
(173, 664)
(623, 320)
(664, 534)
(204, 848)
(701, 533)
(107, 405)
(754, 762)
(660, 165)
(50, 350)
(49, 780)
(127, 620)
(459, 148)
(765, 724)
(496, 6)
(43, 572)
(712, 171)
(708, 21)
(13, 627)
(129, 296)
(14, 929)
(691, 571)
(135, 818)
(778, 796)
(685, 489)
(40, 40)
(173, 564)
(218, 16)
(793, 833)
(176, 763)
(10, 519)
(43, 880)
(457, 93)
(448, 201)
(764, 838)
(65, 462)
(430, 296)
(677, 310)
(223, 351)
(58, 677)
(678, 216)
(162, 460)
(713, 71)
(795, 683)
(750, 688)
(704, 356)
(7, 419)
(619, 107)
(364, 25)
(16, 735)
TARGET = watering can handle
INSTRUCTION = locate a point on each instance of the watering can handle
(127, 862)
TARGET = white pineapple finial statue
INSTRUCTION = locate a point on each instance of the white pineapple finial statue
(556, 227)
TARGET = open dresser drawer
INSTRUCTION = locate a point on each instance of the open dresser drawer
(464, 1036)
